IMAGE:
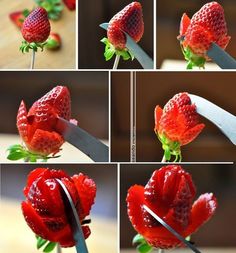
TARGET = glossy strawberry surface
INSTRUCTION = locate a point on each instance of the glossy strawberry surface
(169, 193)
(197, 34)
(36, 27)
(129, 20)
(44, 209)
(36, 127)
(178, 121)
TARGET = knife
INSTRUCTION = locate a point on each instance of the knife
(136, 50)
(74, 221)
(224, 120)
(170, 229)
(82, 140)
(221, 58)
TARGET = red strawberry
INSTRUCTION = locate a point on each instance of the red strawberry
(44, 209)
(53, 41)
(71, 4)
(36, 27)
(177, 124)
(169, 193)
(129, 20)
(18, 17)
(36, 127)
(206, 26)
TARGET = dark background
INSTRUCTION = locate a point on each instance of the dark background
(93, 13)
(169, 13)
(156, 88)
(219, 179)
(13, 180)
(89, 97)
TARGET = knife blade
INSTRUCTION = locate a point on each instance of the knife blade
(82, 140)
(136, 50)
(224, 120)
(74, 221)
(170, 229)
(221, 58)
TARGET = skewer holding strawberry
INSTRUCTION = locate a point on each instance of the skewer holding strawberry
(35, 30)
(129, 20)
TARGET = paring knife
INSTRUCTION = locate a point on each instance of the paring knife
(170, 229)
(82, 140)
(224, 120)
(74, 221)
(136, 50)
(221, 58)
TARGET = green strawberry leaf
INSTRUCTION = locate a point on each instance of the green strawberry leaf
(53, 7)
(144, 248)
(26, 13)
(50, 247)
(142, 245)
(41, 242)
(110, 51)
(18, 152)
(26, 46)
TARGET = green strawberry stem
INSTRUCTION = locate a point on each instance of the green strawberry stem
(32, 60)
(116, 62)
(18, 152)
(163, 159)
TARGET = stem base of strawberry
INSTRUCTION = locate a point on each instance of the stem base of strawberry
(110, 51)
(26, 46)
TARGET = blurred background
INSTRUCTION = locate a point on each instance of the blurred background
(14, 230)
(89, 103)
(11, 38)
(169, 13)
(156, 88)
(219, 179)
(91, 49)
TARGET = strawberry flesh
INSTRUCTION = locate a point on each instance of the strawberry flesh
(44, 209)
(169, 193)
(36, 127)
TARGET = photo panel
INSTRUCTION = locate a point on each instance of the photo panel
(78, 97)
(209, 219)
(95, 185)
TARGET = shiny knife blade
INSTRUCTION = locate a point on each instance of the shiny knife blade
(170, 229)
(224, 120)
(136, 50)
(74, 221)
(221, 58)
(82, 140)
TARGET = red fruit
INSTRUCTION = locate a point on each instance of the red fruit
(53, 41)
(129, 20)
(36, 27)
(71, 4)
(17, 18)
(169, 193)
(44, 209)
(206, 26)
(178, 123)
(36, 127)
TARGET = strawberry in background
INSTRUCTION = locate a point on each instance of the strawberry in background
(208, 25)
(129, 20)
(169, 193)
(70, 4)
(18, 17)
(53, 41)
(177, 124)
(36, 126)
